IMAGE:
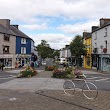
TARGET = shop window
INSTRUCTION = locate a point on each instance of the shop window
(108, 61)
(6, 50)
(6, 37)
(88, 62)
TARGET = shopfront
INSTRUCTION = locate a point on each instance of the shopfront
(7, 60)
(22, 60)
(105, 62)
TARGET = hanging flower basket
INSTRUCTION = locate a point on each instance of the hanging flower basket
(105, 50)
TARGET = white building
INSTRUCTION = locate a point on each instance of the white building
(65, 52)
(101, 45)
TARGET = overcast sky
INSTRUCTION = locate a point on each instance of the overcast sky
(56, 21)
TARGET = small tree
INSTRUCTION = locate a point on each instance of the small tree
(78, 48)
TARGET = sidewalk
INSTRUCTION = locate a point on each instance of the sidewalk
(45, 93)
(51, 100)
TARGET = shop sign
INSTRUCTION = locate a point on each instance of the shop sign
(6, 56)
(107, 56)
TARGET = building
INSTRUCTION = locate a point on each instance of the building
(25, 47)
(87, 63)
(15, 46)
(65, 53)
(101, 45)
(7, 44)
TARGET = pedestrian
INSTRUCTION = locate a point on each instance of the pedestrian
(2, 65)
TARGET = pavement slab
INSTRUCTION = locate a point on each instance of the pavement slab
(51, 100)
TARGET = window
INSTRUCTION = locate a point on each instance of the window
(105, 32)
(23, 41)
(96, 45)
(95, 35)
(6, 50)
(6, 37)
(23, 50)
(106, 43)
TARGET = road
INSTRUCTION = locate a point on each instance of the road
(102, 81)
(8, 75)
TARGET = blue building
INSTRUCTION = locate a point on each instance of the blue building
(24, 47)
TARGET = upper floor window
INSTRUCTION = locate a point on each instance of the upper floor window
(32, 43)
(23, 41)
(6, 50)
(105, 32)
(23, 50)
(6, 37)
(95, 35)
(106, 43)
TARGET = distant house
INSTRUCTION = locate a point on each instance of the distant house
(7, 44)
(101, 45)
(65, 52)
(88, 57)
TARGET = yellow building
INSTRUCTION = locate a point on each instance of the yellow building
(88, 58)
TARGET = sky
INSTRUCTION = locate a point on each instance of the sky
(56, 21)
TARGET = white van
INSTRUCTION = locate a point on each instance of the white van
(62, 60)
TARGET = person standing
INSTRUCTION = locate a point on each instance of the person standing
(2, 65)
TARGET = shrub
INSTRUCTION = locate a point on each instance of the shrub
(63, 73)
(49, 68)
(78, 74)
(28, 72)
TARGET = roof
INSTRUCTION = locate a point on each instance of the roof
(89, 35)
(102, 27)
(18, 32)
(5, 30)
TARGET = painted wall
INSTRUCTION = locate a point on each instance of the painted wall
(100, 40)
(12, 47)
(19, 45)
(88, 58)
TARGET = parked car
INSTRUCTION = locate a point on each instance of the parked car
(43, 62)
(62, 61)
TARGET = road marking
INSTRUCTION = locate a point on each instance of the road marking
(93, 77)
(11, 76)
(102, 79)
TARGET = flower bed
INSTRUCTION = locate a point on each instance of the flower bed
(50, 68)
(68, 73)
(78, 74)
(27, 72)
(62, 73)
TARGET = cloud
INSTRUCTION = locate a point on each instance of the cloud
(78, 27)
(35, 26)
(25, 10)
(56, 41)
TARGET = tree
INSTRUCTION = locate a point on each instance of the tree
(77, 47)
(44, 49)
(56, 53)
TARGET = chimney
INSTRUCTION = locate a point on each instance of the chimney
(16, 26)
(94, 28)
(5, 22)
(104, 21)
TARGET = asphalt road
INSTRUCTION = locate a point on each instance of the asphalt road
(5, 76)
(102, 81)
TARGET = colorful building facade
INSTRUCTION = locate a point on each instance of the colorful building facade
(87, 63)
